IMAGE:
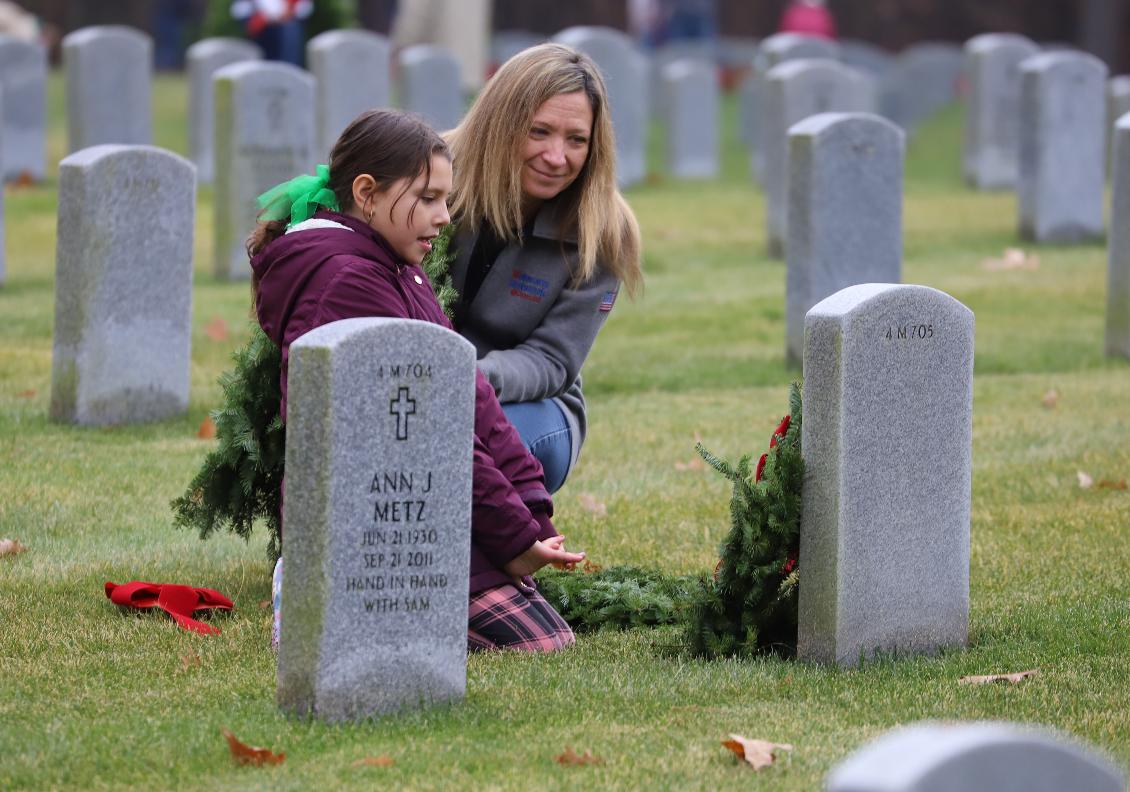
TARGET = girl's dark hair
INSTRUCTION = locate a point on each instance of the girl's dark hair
(386, 144)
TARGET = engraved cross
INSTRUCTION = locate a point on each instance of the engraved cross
(402, 406)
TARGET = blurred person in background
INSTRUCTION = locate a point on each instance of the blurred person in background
(21, 24)
(276, 26)
(810, 17)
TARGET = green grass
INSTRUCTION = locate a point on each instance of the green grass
(94, 698)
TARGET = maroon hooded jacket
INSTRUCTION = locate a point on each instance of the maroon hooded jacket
(318, 275)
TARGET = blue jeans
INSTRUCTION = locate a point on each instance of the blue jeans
(545, 432)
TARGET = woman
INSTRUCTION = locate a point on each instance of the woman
(543, 238)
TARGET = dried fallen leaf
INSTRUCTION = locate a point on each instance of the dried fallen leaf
(571, 757)
(1051, 399)
(190, 660)
(375, 761)
(990, 678)
(11, 547)
(592, 505)
(1012, 259)
(1112, 484)
(241, 753)
(759, 753)
(264, 604)
(1085, 481)
(26, 394)
(207, 429)
(217, 329)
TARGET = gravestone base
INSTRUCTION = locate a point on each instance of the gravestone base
(1066, 234)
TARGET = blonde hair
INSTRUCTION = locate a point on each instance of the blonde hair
(487, 146)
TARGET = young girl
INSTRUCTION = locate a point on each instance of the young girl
(348, 242)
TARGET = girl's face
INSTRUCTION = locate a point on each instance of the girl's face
(410, 222)
(556, 146)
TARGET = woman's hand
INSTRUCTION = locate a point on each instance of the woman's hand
(542, 552)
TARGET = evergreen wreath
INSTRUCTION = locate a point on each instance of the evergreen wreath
(240, 481)
(749, 605)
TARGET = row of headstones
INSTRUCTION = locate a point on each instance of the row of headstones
(905, 89)
(116, 364)
(252, 124)
(378, 549)
(108, 73)
(833, 193)
(1037, 122)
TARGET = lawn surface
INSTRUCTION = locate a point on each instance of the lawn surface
(95, 698)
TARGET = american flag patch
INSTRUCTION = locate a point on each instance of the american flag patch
(607, 301)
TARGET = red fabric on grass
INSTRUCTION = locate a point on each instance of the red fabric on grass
(178, 601)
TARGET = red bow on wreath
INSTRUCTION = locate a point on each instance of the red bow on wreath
(178, 601)
(778, 433)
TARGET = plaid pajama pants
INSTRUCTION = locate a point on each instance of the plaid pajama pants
(505, 617)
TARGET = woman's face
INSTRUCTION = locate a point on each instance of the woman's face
(557, 145)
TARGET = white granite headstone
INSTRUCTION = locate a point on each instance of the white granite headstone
(974, 757)
(866, 57)
(203, 60)
(264, 136)
(704, 51)
(845, 211)
(796, 90)
(625, 72)
(1117, 105)
(430, 84)
(1118, 252)
(109, 74)
(123, 286)
(690, 90)
(23, 84)
(380, 422)
(991, 151)
(505, 44)
(775, 50)
(926, 78)
(336, 58)
(887, 444)
(1062, 133)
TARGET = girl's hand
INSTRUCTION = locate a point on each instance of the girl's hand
(549, 551)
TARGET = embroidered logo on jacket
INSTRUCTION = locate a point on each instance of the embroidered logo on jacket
(607, 301)
(527, 287)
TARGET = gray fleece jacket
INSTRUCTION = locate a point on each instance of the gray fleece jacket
(531, 329)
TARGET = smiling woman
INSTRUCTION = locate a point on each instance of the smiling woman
(544, 240)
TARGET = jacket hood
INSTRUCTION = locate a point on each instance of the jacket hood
(283, 268)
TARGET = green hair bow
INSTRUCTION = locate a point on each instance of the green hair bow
(298, 199)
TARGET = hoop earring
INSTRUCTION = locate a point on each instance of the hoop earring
(368, 211)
